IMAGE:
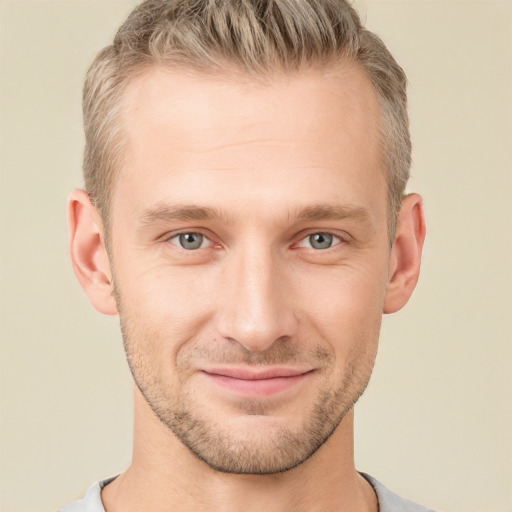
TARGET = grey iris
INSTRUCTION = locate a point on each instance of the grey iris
(320, 240)
(191, 240)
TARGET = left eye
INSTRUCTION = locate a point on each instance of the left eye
(190, 241)
(320, 241)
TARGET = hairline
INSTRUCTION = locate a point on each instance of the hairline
(228, 72)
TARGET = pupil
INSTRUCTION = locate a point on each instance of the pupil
(191, 240)
(320, 240)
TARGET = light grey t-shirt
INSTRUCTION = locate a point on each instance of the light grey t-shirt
(388, 501)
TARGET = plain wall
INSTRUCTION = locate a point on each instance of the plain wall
(435, 424)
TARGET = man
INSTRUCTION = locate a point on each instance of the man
(245, 166)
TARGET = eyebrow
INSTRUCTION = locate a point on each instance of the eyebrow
(332, 212)
(166, 213)
(320, 212)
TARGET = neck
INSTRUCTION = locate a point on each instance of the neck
(165, 475)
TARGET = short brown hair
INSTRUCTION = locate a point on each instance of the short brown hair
(257, 37)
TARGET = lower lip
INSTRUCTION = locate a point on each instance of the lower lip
(259, 387)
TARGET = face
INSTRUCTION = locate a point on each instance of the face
(250, 257)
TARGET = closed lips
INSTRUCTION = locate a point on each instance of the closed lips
(245, 374)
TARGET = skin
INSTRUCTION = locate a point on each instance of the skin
(256, 169)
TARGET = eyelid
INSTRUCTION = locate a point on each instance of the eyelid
(342, 238)
(175, 234)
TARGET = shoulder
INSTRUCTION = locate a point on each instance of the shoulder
(75, 506)
(391, 502)
(91, 502)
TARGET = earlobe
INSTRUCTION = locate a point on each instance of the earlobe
(405, 254)
(88, 253)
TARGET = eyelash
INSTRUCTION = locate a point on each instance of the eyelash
(337, 240)
(182, 233)
(323, 233)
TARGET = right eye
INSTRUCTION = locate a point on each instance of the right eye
(190, 241)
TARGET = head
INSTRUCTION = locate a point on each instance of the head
(252, 39)
(245, 163)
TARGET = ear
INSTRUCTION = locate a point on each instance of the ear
(404, 266)
(88, 253)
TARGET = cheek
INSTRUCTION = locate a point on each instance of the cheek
(344, 305)
(163, 307)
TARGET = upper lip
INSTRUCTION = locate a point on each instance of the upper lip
(257, 373)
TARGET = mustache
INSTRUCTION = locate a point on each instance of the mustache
(231, 352)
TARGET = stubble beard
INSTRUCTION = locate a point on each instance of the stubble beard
(243, 451)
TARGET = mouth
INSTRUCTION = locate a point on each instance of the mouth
(256, 382)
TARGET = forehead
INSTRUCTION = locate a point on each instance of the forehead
(207, 134)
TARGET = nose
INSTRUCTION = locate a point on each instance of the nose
(256, 306)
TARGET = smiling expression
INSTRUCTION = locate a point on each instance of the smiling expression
(250, 256)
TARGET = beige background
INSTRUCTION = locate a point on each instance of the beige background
(436, 422)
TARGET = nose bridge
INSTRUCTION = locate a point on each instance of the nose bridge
(255, 312)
